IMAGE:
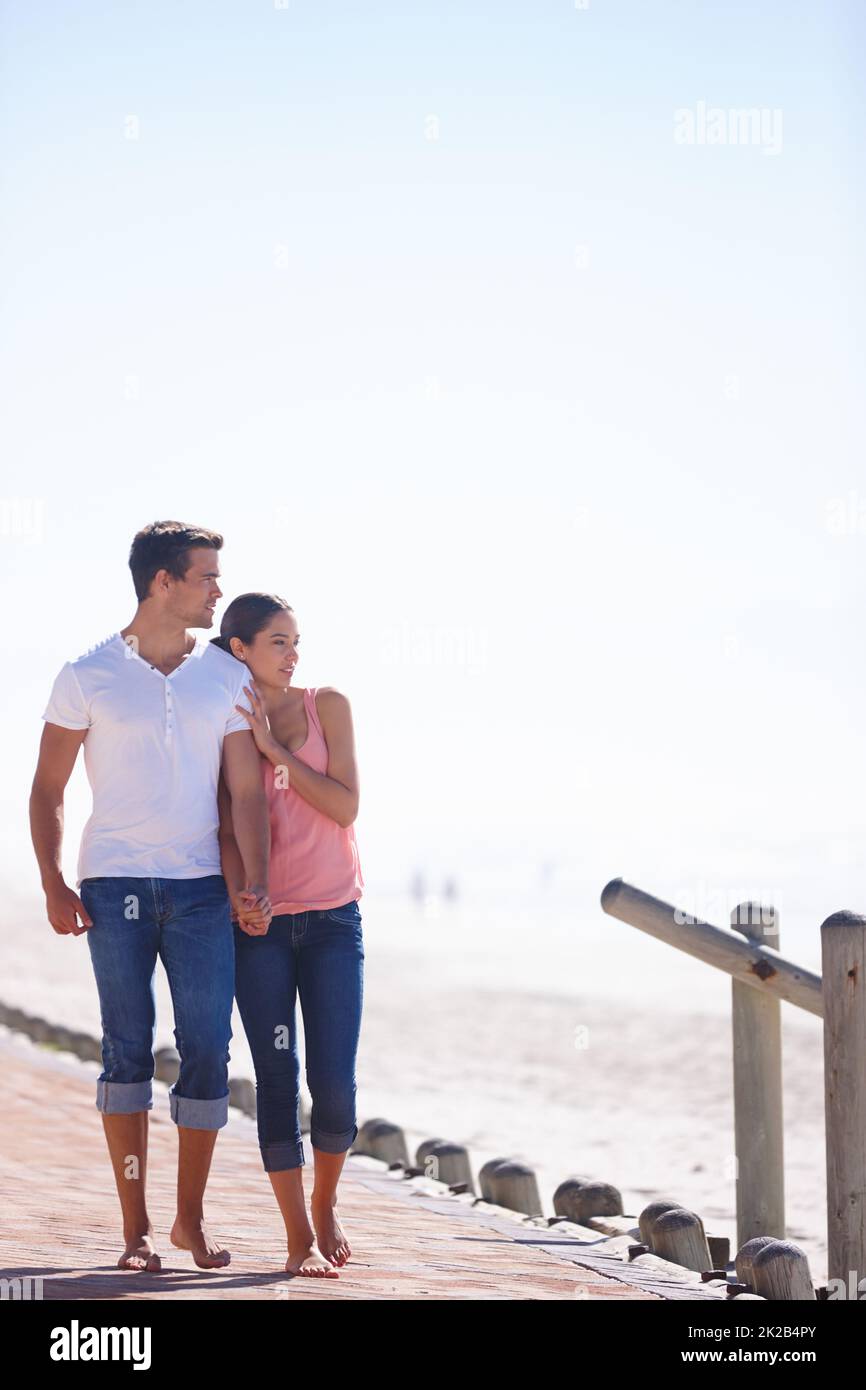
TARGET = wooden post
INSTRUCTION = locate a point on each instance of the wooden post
(648, 1216)
(485, 1178)
(380, 1139)
(424, 1149)
(580, 1199)
(514, 1185)
(843, 954)
(781, 1271)
(678, 1236)
(449, 1163)
(744, 1259)
(758, 1126)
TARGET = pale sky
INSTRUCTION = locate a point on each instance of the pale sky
(545, 423)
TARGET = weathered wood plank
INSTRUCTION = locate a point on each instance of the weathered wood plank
(755, 965)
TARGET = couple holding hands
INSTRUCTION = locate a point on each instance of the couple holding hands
(221, 839)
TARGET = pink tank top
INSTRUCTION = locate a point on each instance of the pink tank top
(314, 861)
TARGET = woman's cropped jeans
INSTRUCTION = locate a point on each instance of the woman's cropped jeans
(318, 954)
(187, 922)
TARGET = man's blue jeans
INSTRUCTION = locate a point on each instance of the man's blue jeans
(318, 954)
(187, 923)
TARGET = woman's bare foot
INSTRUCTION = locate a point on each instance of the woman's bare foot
(140, 1253)
(308, 1259)
(192, 1235)
(330, 1235)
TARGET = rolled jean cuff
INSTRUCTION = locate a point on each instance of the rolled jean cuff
(199, 1114)
(123, 1097)
(333, 1143)
(278, 1157)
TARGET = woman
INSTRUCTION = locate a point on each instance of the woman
(314, 941)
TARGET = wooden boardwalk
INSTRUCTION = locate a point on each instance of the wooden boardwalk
(410, 1238)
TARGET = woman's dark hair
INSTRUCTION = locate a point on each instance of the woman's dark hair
(246, 615)
(163, 545)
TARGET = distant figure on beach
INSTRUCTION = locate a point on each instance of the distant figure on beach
(159, 713)
(314, 945)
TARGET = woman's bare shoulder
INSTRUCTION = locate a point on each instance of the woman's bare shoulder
(332, 703)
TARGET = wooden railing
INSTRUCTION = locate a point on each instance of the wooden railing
(762, 978)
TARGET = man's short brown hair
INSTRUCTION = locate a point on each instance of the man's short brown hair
(163, 545)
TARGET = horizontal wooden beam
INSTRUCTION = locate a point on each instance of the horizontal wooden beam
(749, 961)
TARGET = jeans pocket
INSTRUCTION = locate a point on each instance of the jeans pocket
(93, 889)
(347, 915)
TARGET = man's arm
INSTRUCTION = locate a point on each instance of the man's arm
(249, 816)
(230, 856)
(58, 750)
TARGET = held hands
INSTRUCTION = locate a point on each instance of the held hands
(254, 910)
(257, 719)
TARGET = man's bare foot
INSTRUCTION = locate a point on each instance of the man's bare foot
(192, 1235)
(331, 1237)
(308, 1259)
(140, 1253)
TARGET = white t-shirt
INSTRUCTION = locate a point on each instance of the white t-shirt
(152, 755)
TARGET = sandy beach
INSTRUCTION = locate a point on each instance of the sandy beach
(596, 1082)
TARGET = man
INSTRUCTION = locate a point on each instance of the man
(155, 710)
